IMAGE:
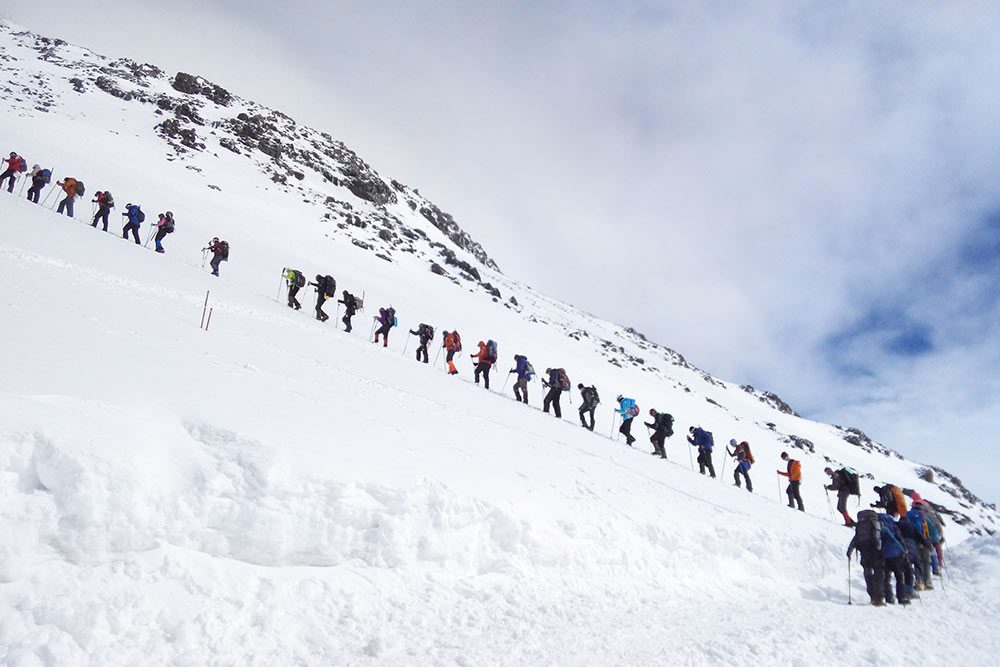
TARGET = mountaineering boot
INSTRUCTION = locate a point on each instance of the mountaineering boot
(160, 250)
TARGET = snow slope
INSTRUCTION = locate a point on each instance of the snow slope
(273, 491)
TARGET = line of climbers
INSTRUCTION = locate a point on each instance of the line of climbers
(898, 543)
(103, 203)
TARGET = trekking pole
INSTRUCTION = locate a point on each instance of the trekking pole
(849, 601)
(829, 506)
(406, 344)
(779, 488)
(504, 387)
(21, 191)
(614, 420)
(723, 474)
(148, 237)
(204, 256)
(690, 457)
(277, 297)
(436, 357)
(204, 308)
(372, 332)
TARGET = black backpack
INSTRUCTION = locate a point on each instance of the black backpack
(139, 215)
(390, 315)
(225, 250)
(300, 279)
(170, 224)
(668, 425)
(330, 287)
(709, 436)
(595, 396)
(491, 351)
(851, 480)
(80, 189)
(868, 531)
(425, 331)
(350, 302)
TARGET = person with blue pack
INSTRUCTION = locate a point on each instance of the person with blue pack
(386, 319)
(628, 409)
(704, 441)
(39, 179)
(894, 555)
(133, 218)
(524, 372)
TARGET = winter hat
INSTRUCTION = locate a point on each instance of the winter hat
(828, 471)
(620, 397)
(548, 370)
(784, 456)
(877, 489)
(579, 386)
(732, 441)
(690, 429)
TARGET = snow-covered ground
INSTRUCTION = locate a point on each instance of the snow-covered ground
(274, 491)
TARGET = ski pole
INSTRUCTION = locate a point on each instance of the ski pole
(829, 506)
(691, 458)
(21, 191)
(724, 459)
(779, 488)
(504, 387)
(278, 295)
(372, 332)
(204, 308)
(437, 356)
(614, 420)
(52, 187)
(148, 237)
(406, 344)
(849, 588)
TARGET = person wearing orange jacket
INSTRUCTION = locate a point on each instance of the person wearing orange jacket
(69, 187)
(453, 344)
(794, 475)
(485, 362)
(891, 499)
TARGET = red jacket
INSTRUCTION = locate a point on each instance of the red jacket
(16, 163)
(483, 353)
(794, 470)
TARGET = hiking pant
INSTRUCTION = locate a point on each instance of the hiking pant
(216, 261)
(894, 566)
(384, 332)
(422, 351)
(584, 411)
(293, 290)
(484, 368)
(346, 319)
(842, 496)
(159, 238)
(908, 576)
(743, 467)
(657, 439)
(66, 204)
(102, 214)
(705, 461)
(521, 390)
(793, 494)
(552, 398)
(626, 430)
(11, 174)
(320, 315)
(873, 566)
(451, 364)
(134, 228)
(925, 566)
(35, 190)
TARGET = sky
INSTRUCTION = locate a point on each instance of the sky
(801, 196)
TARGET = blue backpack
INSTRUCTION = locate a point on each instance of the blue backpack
(892, 546)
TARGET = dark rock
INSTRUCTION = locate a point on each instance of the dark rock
(78, 85)
(438, 269)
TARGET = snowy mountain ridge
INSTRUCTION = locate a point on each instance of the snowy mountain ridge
(275, 491)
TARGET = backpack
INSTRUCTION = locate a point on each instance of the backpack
(892, 545)
(330, 287)
(139, 215)
(22, 165)
(350, 302)
(851, 481)
(458, 341)
(46, 176)
(632, 410)
(80, 189)
(868, 531)
(390, 313)
(529, 369)
(746, 450)
(709, 441)
(594, 398)
(491, 351)
(668, 420)
(109, 201)
(300, 279)
(425, 330)
(916, 517)
(225, 250)
(169, 226)
(562, 380)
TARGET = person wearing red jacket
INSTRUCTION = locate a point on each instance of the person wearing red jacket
(105, 202)
(15, 165)
(453, 344)
(794, 475)
(485, 363)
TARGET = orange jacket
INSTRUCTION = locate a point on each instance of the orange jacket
(897, 495)
(68, 186)
(451, 341)
(794, 470)
(483, 353)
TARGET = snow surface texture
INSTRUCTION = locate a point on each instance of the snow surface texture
(276, 492)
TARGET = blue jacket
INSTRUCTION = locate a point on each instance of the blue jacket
(701, 440)
(522, 367)
(133, 214)
(625, 404)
